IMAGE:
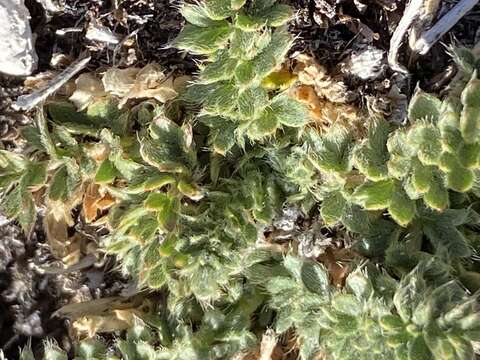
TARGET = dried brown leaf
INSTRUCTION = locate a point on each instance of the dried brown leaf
(88, 88)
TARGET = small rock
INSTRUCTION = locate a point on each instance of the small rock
(18, 55)
(367, 64)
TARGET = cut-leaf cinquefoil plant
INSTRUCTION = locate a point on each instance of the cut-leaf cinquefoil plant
(240, 79)
(426, 315)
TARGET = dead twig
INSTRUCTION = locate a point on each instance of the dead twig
(430, 37)
(409, 16)
(28, 102)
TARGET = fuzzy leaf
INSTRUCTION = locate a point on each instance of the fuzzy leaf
(315, 278)
(223, 138)
(204, 41)
(427, 139)
(470, 116)
(437, 195)
(289, 112)
(12, 203)
(273, 54)
(237, 4)
(35, 175)
(246, 45)
(245, 73)
(371, 156)
(168, 148)
(221, 101)
(460, 179)
(401, 208)
(218, 9)
(331, 152)
(332, 208)
(278, 15)
(58, 185)
(157, 277)
(424, 106)
(266, 124)
(106, 173)
(247, 22)
(196, 15)
(251, 102)
(374, 195)
(221, 68)
(28, 214)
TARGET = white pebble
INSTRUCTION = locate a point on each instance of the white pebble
(17, 55)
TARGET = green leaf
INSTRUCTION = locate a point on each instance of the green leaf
(58, 185)
(371, 156)
(190, 190)
(246, 45)
(91, 349)
(237, 4)
(245, 73)
(223, 139)
(167, 247)
(315, 278)
(12, 203)
(378, 236)
(278, 15)
(218, 9)
(28, 214)
(460, 179)
(167, 217)
(196, 15)
(409, 294)
(106, 173)
(252, 102)
(221, 68)
(258, 6)
(330, 152)
(401, 208)
(374, 195)
(221, 101)
(157, 277)
(347, 304)
(424, 106)
(427, 139)
(36, 174)
(169, 147)
(437, 195)
(204, 41)
(289, 112)
(470, 115)
(266, 124)
(469, 155)
(391, 323)
(440, 229)
(105, 113)
(438, 344)
(45, 138)
(332, 208)
(157, 201)
(246, 22)
(158, 181)
(273, 54)
(422, 177)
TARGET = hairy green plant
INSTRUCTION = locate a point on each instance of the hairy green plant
(414, 173)
(193, 192)
(242, 45)
(176, 334)
(427, 315)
